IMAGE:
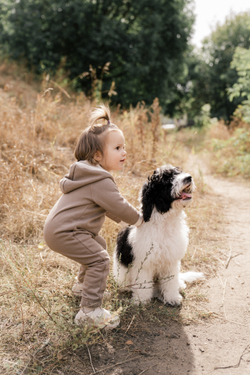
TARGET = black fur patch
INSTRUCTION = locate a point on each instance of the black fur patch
(156, 192)
(124, 249)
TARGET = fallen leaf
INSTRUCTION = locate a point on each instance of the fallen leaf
(129, 342)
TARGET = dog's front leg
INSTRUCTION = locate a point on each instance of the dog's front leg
(169, 286)
(142, 288)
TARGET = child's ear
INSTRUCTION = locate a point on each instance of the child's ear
(98, 156)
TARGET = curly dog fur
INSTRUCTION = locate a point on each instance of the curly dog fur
(147, 258)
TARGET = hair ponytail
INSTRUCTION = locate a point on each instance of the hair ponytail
(100, 113)
(92, 139)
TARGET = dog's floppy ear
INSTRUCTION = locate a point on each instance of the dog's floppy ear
(147, 204)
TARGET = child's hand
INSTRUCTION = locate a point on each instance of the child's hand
(140, 224)
(140, 221)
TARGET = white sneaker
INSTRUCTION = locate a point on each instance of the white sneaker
(77, 289)
(98, 317)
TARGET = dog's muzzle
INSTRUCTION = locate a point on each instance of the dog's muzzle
(187, 190)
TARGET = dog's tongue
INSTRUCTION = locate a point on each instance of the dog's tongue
(185, 195)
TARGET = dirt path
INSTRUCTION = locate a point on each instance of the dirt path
(220, 347)
(199, 349)
(222, 343)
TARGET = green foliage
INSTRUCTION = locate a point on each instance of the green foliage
(192, 88)
(232, 156)
(214, 75)
(241, 62)
(144, 41)
(203, 119)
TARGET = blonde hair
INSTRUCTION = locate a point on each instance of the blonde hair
(92, 138)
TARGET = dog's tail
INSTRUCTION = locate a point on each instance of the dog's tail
(189, 277)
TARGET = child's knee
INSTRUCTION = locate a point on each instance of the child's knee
(103, 263)
(100, 240)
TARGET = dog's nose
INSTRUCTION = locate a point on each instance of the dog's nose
(187, 179)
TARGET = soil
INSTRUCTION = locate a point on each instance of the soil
(220, 346)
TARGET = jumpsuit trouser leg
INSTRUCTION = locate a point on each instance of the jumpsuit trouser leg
(90, 251)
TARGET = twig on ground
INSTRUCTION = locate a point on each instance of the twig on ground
(146, 370)
(237, 365)
(117, 364)
(130, 323)
(90, 359)
(229, 321)
(231, 257)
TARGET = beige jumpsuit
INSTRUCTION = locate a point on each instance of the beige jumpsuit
(73, 224)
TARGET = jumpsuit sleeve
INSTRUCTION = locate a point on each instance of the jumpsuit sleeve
(106, 195)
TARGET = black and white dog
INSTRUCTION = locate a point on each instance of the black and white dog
(147, 258)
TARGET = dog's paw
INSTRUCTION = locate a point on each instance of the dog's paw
(137, 300)
(173, 300)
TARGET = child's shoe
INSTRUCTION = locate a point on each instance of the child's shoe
(99, 317)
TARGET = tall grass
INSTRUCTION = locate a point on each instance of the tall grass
(37, 139)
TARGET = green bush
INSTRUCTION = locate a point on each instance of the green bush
(144, 41)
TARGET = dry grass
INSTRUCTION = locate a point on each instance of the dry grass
(36, 149)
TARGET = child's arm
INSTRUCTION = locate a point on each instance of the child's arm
(106, 194)
(118, 220)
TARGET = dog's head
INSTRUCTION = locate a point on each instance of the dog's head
(167, 188)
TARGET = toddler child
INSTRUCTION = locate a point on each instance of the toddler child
(89, 193)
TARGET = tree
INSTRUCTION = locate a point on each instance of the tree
(241, 62)
(192, 87)
(144, 41)
(217, 52)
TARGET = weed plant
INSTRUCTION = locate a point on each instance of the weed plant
(37, 139)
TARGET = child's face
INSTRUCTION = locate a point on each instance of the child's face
(114, 154)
